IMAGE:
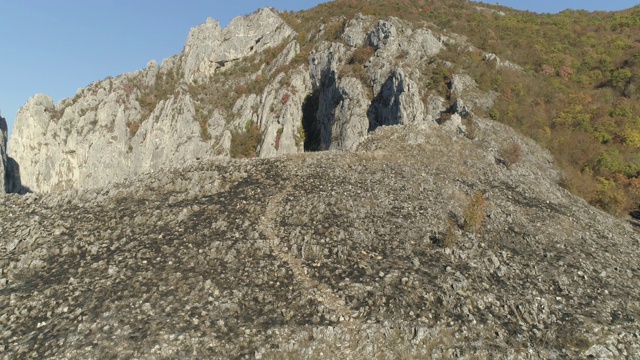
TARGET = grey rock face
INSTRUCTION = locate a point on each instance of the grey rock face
(464, 87)
(346, 110)
(111, 131)
(356, 29)
(210, 48)
(394, 39)
(351, 121)
(180, 111)
(329, 98)
(502, 64)
(3, 155)
(397, 103)
(280, 114)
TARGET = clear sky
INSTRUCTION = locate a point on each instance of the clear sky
(555, 6)
(57, 47)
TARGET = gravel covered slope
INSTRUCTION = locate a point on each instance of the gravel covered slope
(326, 255)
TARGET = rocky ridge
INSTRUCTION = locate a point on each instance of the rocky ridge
(9, 169)
(377, 72)
(363, 254)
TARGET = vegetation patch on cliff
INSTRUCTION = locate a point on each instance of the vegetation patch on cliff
(244, 144)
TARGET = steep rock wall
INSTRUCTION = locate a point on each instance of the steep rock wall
(138, 122)
(3, 154)
(210, 48)
(249, 74)
(9, 169)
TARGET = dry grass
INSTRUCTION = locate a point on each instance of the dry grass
(133, 128)
(450, 237)
(471, 128)
(475, 213)
(244, 144)
(511, 154)
(362, 55)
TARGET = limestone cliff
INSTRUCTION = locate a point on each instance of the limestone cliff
(250, 75)
(3, 153)
(210, 48)
(9, 169)
(138, 122)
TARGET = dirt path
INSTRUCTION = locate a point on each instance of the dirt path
(323, 293)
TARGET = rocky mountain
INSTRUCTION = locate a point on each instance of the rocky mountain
(429, 231)
(227, 81)
(321, 79)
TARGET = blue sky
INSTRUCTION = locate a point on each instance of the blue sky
(554, 6)
(57, 47)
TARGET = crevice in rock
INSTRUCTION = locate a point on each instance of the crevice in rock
(446, 115)
(9, 167)
(252, 47)
(310, 122)
(319, 113)
(385, 107)
(13, 183)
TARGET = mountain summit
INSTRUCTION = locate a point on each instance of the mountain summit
(229, 82)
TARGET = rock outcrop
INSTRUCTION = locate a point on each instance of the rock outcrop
(502, 64)
(210, 48)
(4, 173)
(136, 123)
(398, 102)
(250, 74)
(9, 169)
(385, 252)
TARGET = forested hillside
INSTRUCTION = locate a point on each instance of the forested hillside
(577, 95)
